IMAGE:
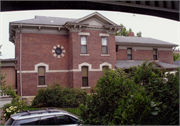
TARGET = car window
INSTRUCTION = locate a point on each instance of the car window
(64, 119)
(47, 120)
(9, 122)
(29, 121)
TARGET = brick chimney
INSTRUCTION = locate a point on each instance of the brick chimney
(131, 34)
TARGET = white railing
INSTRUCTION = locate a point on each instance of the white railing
(2, 94)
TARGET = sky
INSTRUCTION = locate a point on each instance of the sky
(150, 26)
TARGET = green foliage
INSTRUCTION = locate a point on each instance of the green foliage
(176, 56)
(125, 32)
(8, 110)
(15, 105)
(57, 96)
(75, 111)
(138, 97)
(139, 34)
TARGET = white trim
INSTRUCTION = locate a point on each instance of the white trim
(83, 33)
(85, 87)
(72, 70)
(142, 48)
(105, 64)
(41, 85)
(105, 54)
(122, 47)
(103, 34)
(84, 55)
(130, 60)
(164, 49)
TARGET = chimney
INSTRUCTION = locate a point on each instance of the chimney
(131, 34)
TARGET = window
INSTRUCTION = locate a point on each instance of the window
(116, 48)
(155, 54)
(83, 44)
(105, 68)
(84, 76)
(64, 119)
(41, 75)
(129, 53)
(48, 120)
(104, 45)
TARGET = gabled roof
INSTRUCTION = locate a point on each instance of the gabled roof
(127, 64)
(98, 15)
(122, 40)
(43, 20)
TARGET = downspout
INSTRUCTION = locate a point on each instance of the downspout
(20, 60)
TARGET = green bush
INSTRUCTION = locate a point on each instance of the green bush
(58, 96)
(138, 97)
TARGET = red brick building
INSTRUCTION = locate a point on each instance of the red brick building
(75, 51)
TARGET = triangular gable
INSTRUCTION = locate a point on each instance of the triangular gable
(95, 19)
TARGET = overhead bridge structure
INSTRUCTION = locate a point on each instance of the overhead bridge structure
(164, 9)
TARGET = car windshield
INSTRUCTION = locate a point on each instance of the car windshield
(9, 122)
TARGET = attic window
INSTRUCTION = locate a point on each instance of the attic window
(52, 21)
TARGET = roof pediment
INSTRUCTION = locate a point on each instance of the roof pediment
(96, 19)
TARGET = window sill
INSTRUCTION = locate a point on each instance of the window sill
(156, 60)
(130, 60)
(42, 86)
(84, 55)
(105, 54)
(85, 87)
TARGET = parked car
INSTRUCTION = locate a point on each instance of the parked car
(44, 117)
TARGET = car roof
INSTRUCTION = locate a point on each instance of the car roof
(39, 113)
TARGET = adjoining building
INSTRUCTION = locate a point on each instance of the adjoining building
(74, 52)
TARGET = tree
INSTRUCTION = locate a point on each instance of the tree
(125, 32)
(176, 56)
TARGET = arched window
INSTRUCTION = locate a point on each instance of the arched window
(41, 75)
(105, 68)
(85, 76)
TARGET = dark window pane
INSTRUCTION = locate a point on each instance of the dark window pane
(104, 49)
(41, 80)
(155, 57)
(47, 121)
(85, 81)
(83, 49)
(116, 48)
(63, 119)
(84, 71)
(129, 57)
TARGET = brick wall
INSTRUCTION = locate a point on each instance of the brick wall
(163, 56)
(37, 48)
(10, 76)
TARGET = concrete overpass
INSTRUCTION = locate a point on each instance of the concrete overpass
(164, 9)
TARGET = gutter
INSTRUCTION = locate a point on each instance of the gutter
(20, 60)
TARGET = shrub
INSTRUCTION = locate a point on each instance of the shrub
(8, 110)
(138, 97)
(58, 96)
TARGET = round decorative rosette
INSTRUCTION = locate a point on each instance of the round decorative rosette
(58, 51)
